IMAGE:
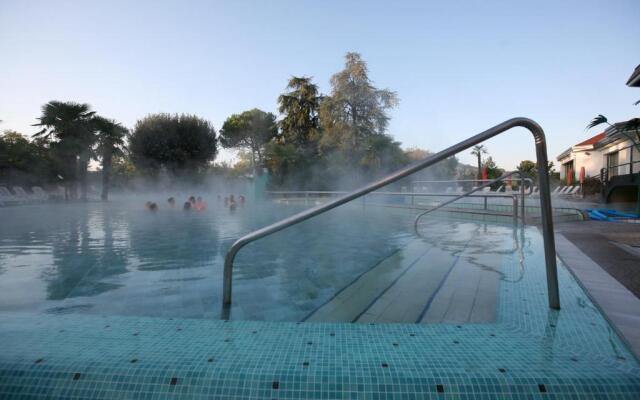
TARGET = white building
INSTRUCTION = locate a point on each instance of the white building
(609, 152)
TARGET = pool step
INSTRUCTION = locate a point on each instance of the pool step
(419, 284)
(352, 300)
(470, 292)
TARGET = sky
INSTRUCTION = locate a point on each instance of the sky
(457, 67)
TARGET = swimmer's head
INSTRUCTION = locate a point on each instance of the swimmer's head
(187, 206)
(153, 207)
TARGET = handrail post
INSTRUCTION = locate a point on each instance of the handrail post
(547, 216)
(515, 209)
(522, 198)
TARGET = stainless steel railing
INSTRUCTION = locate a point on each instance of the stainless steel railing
(463, 195)
(545, 203)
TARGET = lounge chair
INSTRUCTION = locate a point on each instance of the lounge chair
(557, 190)
(39, 193)
(22, 195)
(574, 190)
(6, 197)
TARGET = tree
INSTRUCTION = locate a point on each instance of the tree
(625, 128)
(445, 169)
(111, 137)
(382, 154)
(300, 107)
(528, 168)
(250, 130)
(285, 161)
(478, 151)
(181, 144)
(355, 109)
(493, 171)
(70, 125)
(25, 162)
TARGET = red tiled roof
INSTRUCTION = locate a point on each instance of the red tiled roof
(592, 140)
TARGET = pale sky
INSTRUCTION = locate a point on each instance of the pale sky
(458, 67)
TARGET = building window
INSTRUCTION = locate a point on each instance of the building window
(612, 164)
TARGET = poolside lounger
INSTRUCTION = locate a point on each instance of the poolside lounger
(574, 190)
(565, 190)
(39, 193)
(557, 190)
(7, 197)
(21, 194)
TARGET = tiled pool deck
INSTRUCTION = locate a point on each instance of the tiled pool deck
(530, 352)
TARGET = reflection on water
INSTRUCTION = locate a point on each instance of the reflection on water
(120, 259)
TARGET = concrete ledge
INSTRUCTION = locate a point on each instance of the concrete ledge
(617, 303)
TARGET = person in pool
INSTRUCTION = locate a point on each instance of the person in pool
(200, 204)
(153, 207)
(192, 200)
(187, 206)
(171, 201)
(232, 203)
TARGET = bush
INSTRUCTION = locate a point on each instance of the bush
(591, 185)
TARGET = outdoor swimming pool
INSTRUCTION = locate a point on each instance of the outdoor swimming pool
(99, 300)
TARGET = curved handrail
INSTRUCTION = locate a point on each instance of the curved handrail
(545, 203)
(463, 195)
(472, 180)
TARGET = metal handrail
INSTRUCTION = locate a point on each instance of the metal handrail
(417, 194)
(414, 183)
(463, 195)
(545, 203)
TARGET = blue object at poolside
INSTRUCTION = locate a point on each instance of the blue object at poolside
(603, 214)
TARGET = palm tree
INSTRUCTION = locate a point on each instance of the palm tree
(478, 151)
(632, 125)
(70, 124)
(111, 137)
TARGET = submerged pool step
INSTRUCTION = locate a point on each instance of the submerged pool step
(350, 302)
(419, 284)
(470, 292)
(409, 297)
